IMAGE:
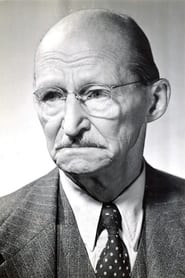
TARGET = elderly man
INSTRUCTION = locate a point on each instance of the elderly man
(106, 212)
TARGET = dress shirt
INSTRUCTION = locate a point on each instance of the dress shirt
(87, 213)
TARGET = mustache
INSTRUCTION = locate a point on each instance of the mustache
(78, 143)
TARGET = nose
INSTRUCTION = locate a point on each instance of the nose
(75, 119)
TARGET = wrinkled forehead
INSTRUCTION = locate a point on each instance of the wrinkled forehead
(80, 36)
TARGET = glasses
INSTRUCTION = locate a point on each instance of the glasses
(96, 100)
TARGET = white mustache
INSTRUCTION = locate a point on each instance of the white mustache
(78, 143)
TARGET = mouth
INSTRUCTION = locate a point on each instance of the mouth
(79, 146)
(77, 152)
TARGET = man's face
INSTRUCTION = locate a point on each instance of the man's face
(77, 141)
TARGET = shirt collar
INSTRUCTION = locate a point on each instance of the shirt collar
(130, 205)
(87, 210)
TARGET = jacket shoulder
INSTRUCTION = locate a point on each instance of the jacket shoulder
(9, 202)
(164, 186)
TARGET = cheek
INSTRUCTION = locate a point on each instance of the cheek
(51, 125)
(122, 132)
(132, 120)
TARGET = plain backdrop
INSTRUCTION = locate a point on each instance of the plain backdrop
(23, 152)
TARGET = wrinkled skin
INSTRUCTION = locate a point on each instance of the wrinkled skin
(102, 155)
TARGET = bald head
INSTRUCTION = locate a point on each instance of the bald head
(87, 29)
(99, 30)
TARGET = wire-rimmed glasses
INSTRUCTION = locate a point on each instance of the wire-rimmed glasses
(96, 99)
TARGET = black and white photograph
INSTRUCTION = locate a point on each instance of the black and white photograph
(92, 145)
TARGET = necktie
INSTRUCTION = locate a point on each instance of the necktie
(114, 259)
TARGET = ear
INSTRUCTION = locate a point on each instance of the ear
(159, 98)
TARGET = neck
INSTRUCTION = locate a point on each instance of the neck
(108, 184)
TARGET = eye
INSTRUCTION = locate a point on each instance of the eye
(50, 94)
(97, 93)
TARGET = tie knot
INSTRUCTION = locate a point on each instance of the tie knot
(111, 218)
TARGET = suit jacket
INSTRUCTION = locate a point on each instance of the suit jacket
(30, 218)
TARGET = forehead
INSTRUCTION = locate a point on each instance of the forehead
(89, 49)
(87, 63)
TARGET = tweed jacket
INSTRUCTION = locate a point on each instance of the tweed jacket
(30, 219)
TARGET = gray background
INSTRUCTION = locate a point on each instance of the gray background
(23, 154)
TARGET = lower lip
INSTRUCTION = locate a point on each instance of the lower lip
(79, 149)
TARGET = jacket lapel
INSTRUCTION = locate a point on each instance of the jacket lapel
(161, 251)
(29, 251)
(73, 258)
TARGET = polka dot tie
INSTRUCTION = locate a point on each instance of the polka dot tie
(114, 259)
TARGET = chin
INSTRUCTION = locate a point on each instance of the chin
(82, 167)
(82, 161)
